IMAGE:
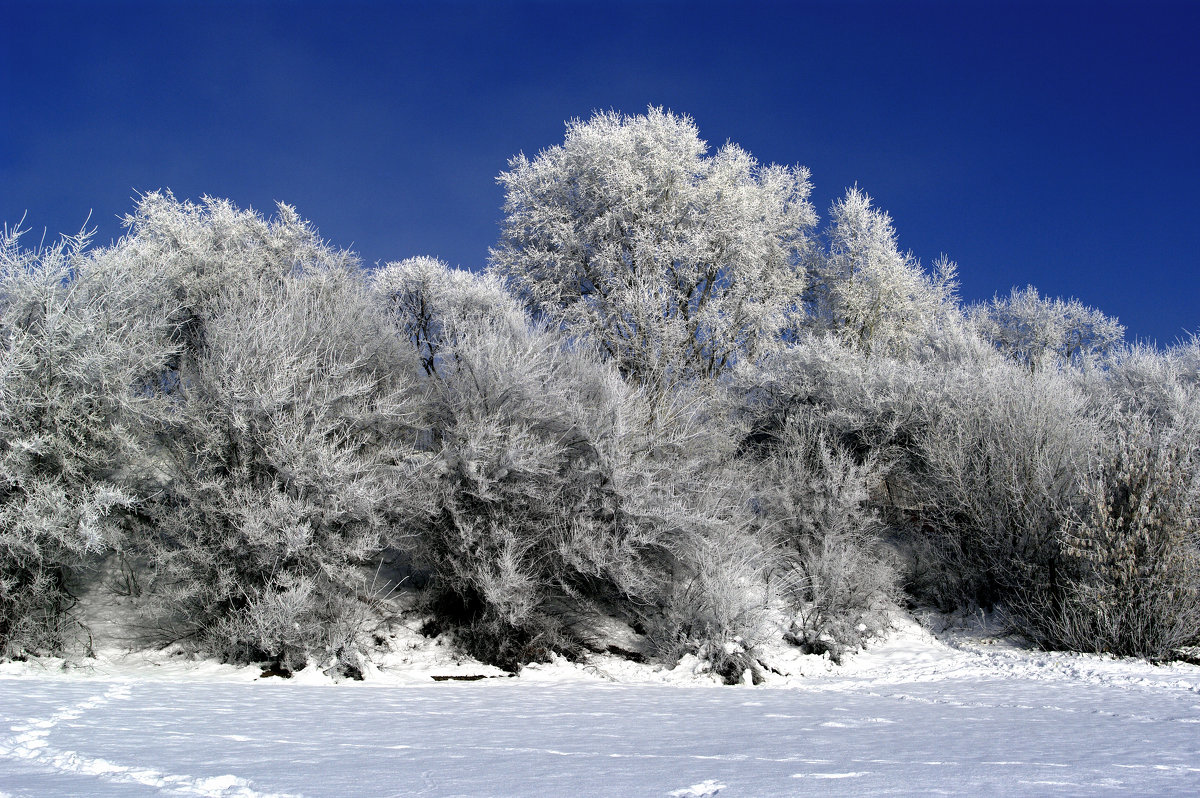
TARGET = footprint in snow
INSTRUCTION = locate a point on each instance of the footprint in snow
(701, 790)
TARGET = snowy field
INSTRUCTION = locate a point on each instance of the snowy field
(962, 714)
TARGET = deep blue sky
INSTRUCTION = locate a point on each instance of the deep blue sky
(1046, 143)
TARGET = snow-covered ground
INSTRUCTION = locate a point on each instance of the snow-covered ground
(961, 713)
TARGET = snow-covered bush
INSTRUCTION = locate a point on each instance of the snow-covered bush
(871, 406)
(284, 441)
(1133, 543)
(814, 499)
(557, 490)
(538, 501)
(978, 460)
(715, 606)
(1064, 495)
(288, 453)
(998, 465)
(197, 253)
(1075, 515)
(1133, 550)
(73, 357)
(431, 302)
(673, 262)
(1161, 385)
(1036, 331)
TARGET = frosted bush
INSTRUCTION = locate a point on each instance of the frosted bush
(999, 462)
(716, 607)
(870, 406)
(1133, 552)
(838, 578)
(1072, 499)
(287, 451)
(980, 459)
(1037, 332)
(431, 301)
(538, 495)
(1163, 386)
(557, 490)
(195, 253)
(1062, 495)
(1133, 542)
(72, 361)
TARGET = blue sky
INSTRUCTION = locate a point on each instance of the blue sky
(1052, 144)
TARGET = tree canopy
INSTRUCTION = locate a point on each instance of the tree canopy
(673, 261)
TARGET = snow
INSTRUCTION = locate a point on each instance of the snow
(962, 712)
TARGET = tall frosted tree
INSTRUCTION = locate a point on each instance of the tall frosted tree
(868, 293)
(674, 262)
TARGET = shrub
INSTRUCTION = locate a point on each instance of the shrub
(1038, 332)
(433, 304)
(71, 364)
(1133, 548)
(557, 490)
(873, 406)
(1161, 386)
(197, 253)
(287, 450)
(976, 460)
(536, 507)
(815, 501)
(997, 468)
(716, 605)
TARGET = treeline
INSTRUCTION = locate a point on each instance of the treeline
(674, 399)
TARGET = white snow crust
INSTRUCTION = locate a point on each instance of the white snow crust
(960, 712)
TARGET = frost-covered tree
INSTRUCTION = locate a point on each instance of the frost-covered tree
(1036, 331)
(675, 263)
(867, 292)
(74, 356)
